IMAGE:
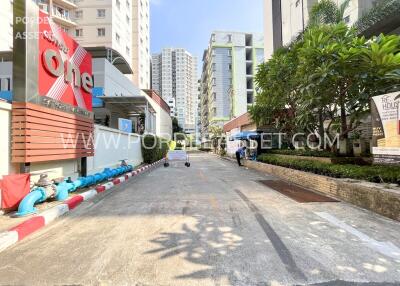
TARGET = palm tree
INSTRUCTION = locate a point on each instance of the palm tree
(327, 12)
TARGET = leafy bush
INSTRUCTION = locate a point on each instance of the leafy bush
(374, 173)
(301, 152)
(153, 148)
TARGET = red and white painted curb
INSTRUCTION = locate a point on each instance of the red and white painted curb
(32, 224)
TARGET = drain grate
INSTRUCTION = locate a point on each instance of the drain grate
(296, 193)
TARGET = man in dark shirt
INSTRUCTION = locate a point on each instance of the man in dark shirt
(240, 153)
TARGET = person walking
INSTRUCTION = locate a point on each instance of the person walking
(240, 153)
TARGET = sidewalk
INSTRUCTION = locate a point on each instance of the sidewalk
(8, 220)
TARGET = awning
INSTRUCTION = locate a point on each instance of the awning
(128, 104)
(246, 135)
(112, 56)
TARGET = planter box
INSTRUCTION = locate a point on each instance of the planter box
(375, 197)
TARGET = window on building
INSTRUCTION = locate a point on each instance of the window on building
(118, 4)
(297, 3)
(78, 14)
(229, 38)
(128, 51)
(117, 37)
(101, 32)
(127, 19)
(214, 66)
(101, 13)
(214, 81)
(78, 33)
(230, 52)
(213, 38)
(5, 84)
(128, 4)
(230, 67)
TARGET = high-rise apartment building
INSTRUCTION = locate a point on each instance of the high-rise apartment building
(61, 11)
(105, 24)
(285, 19)
(174, 77)
(227, 81)
(141, 43)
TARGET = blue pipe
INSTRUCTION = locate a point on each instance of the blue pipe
(38, 194)
(26, 206)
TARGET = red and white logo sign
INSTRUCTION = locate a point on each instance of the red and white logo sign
(65, 68)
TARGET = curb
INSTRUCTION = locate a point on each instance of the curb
(22, 230)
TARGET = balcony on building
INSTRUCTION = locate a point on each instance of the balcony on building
(62, 16)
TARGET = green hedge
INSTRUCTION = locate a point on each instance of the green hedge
(302, 152)
(153, 148)
(375, 173)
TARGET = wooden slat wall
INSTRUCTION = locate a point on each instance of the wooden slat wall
(43, 134)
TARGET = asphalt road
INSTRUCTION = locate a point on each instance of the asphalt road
(210, 224)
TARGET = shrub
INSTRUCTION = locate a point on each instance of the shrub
(374, 173)
(153, 148)
(302, 152)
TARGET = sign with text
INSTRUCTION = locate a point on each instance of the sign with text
(65, 68)
(52, 116)
(385, 112)
(50, 68)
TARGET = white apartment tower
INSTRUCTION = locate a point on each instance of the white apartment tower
(106, 23)
(61, 11)
(174, 77)
(141, 43)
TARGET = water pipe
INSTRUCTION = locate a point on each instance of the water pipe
(45, 189)
(26, 206)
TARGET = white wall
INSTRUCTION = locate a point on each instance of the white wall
(163, 119)
(6, 167)
(112, 145)
(112, 80)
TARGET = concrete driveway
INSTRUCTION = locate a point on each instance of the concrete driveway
(210, 224)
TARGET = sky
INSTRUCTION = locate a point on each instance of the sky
(188, 24)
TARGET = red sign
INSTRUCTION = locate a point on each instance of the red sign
(65, 67)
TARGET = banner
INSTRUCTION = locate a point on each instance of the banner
(385, 112)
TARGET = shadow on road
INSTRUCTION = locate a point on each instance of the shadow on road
(208, 244)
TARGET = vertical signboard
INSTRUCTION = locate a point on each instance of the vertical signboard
(52, 109)
(385, 111)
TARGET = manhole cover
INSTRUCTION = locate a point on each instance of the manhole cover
(296, 193)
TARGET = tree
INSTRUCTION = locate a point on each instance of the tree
(277, 89)
(175, 126)
(342, 71)
(216, 133)
(328, 74)
(327, 12)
